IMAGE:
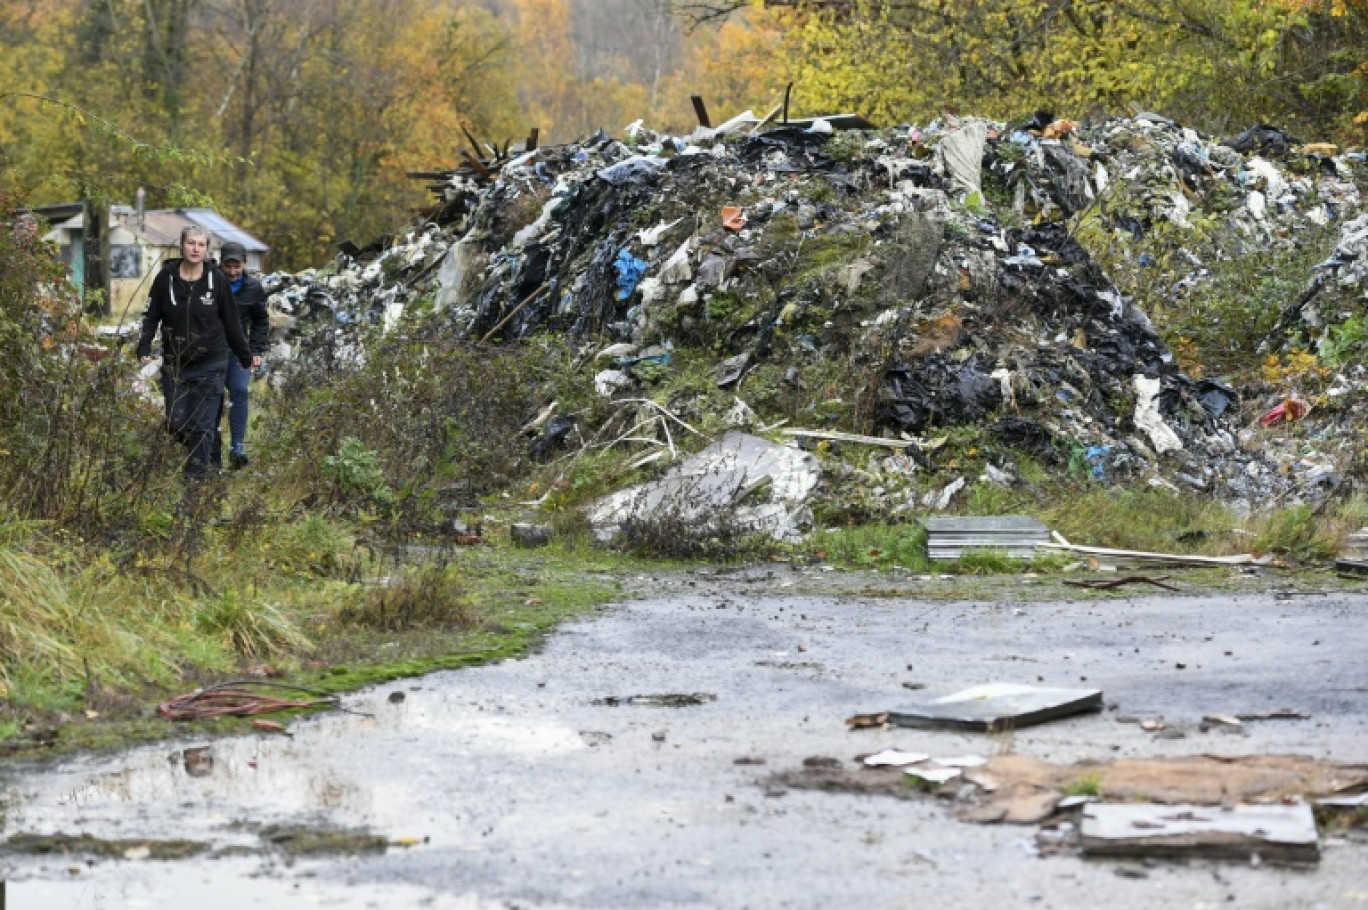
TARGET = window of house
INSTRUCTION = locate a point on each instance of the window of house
(125, 261)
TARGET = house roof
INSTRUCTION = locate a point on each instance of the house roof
(162, 227)
(222, 228)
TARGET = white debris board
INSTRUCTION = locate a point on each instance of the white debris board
(997, 707)
(1274, 833)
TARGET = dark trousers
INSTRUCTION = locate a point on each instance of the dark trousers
(238, 381)
(194, 398)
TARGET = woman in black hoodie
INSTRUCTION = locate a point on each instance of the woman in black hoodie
(191, 303)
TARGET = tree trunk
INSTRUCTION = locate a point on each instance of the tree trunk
(95, 239)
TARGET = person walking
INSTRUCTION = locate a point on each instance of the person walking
(256, 325)
(192, 305)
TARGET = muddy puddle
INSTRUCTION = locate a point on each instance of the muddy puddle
(509, 785)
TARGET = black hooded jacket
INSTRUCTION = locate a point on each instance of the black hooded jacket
(256, 318)
(199, 320)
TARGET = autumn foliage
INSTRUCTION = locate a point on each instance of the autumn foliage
(300, 120)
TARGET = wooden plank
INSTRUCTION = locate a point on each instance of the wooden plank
(766, 119)
(997, 707)
(701, 111)
(479, 153)
(835, 436)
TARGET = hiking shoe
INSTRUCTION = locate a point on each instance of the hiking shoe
(237, 460)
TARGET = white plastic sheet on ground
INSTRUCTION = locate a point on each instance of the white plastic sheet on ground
(756, 484)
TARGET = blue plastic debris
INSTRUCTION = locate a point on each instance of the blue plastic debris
(630, 271)
(1097, 462)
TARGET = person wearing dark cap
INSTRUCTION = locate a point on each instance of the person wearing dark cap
(192, 305)
(256, 325)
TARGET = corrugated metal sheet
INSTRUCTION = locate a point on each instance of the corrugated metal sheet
(223, 229)
(948, 537)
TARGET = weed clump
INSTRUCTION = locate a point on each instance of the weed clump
(1295, 533)
(873, 546)
(431, 598)
(674, 531)
(252, 629)
(354, 474)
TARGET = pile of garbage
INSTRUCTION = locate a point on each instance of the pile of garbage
(932, 270)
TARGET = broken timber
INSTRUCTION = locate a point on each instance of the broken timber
(836, 436)
(701, 111)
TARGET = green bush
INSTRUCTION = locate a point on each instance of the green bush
(1345, 343)
(78, 446)
(427, 424)
(355, 473)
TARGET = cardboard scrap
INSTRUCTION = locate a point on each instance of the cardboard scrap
(1028, 789)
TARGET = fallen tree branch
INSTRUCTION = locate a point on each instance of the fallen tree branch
(667, 412)
(1106, 584)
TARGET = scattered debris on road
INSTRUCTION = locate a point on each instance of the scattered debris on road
(998, 707)
(666, 700)
(86, 845)
(1200, 806)
(1275, 714)
(198, 761)
(1273, 834)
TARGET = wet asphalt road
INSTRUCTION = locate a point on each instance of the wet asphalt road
(525, 793)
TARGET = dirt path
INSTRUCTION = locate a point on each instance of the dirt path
(523, 792)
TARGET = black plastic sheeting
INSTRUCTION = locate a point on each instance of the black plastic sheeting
(1264, 140)
(553, 438)
(936, 392)
(1054, 373)
(1028, 436)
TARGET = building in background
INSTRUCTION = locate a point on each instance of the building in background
(139, 242)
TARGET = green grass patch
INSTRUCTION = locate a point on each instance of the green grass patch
(1085, 785)
(89, 652)
(875, 546)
